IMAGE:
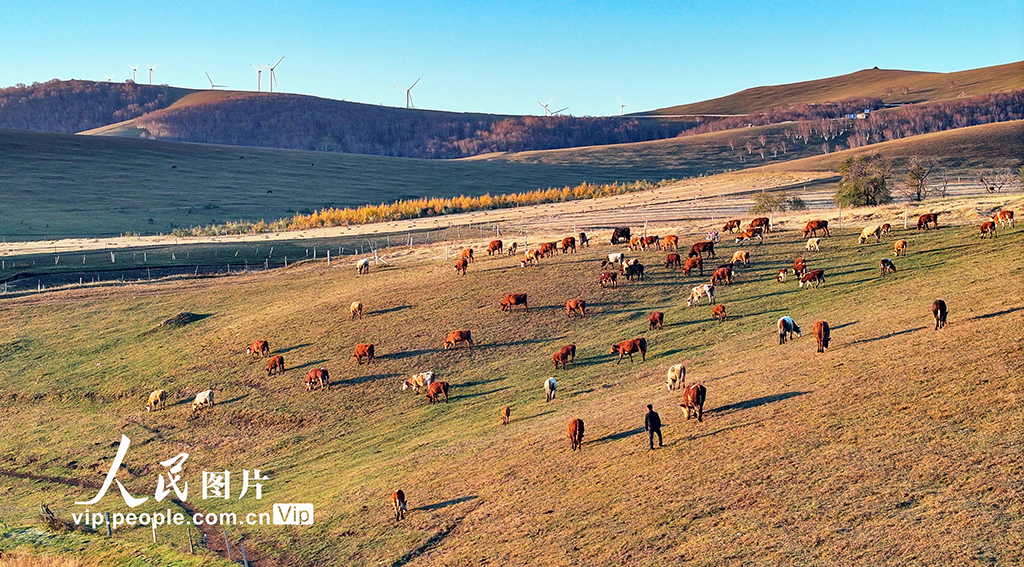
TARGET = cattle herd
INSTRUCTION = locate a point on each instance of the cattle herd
(612, 266)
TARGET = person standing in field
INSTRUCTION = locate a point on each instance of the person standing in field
(652, 424)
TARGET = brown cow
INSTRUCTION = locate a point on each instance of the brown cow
(923, 220)
(673, 259)
(356, 310)
(566, 354)
(258, 349)
(620, 235)
(318, 377)
(722, 275)
(608, 277)
(399, 504)
(900, 248)
(718, 313)
(671, 242)
(693, 400)
(813, 278)
(467, 255)
(691, 263)
(939, 311)
(576, 434)
(886, 228)
(506, 415)
(656, 320)
(456, 337)
(1004, 218)
(799, 267)
(157, 400)
(514, 299)
(731, 225)
(635, 243)
(750, 232)
(584, 241)
(814, 226)
(495, 247)
(989, 228)
(627, 348)
(568, 243)
(512, 248)
(700, 247)
(577, 305)
(763, 223)
(651, 241)
(821, 332)
(460, 266)
(275, 363)
(437, 389)
(363, 350)
(548, 249)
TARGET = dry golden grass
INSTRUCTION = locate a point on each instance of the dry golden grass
(15, 559)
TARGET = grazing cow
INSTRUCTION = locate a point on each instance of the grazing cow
(741, 256)
(275, 363)
(634, 270)
(608, 277)
(635, 243)
(675, 378)
(495, 247)
(627, 348)
(363, 350)
(886, 229)
(512, 249)
(506, 415)
(722, 274)
(705, 290)
(627, 263)
(157, 400)
(733, 224)
(693, 401)
(203, 399)
(814, 226)
(649, 241)
(751, 232)
(799, 267)
(417, 381)
(813, 278)
(900, 248)
(584, 241)
(672, 242)
(456, 337)
(939, 311)
(460, 266)
(467, 255)
(700, 247)
(868, 232)
(531, 257)
(576, 305)
(620, 234)
(399, 504)
(718, 313)
(1004, 218)
(821, 333)
(258, 349)
(569, 243)
(548, 249)
(576, 434)
(885, 266)
(436, 389)
(514, 299)
(787, 327)
(781, 276)
(564, 355)
(691, 263)
(763, 223)
(656, 320)
(318, 377)
(923, 220)
(363, 266)
(989, 228)
(614, 259)
(673, 259)
(550, 388)
(813, 244)
(356, 310)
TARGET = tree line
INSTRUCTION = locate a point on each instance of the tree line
(67, 107)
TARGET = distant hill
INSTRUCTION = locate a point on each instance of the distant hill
(891, 86)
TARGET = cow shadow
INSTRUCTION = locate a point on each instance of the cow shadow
(998, 313)
(541, 414)
(389, 310)
(308, 364)
(232, 400)
(844, 325)
(364, 379)
(756, 402)
(291, 348)
(478, 394)
(620, 435)
(477, 383)
(405, 354)
(880, 337)
(512, 343)
(446, 503)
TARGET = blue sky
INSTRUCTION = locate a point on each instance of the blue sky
(503, 57)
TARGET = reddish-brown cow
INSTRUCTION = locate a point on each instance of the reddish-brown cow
(656, 320)
(734, 224)
(691, 263)
(495, 247)
(576, 305)
(671, 242)
(460, 266)
(318, 377)
(989, 228)
(673, 259)
(627, 348)
(814, 226)
(693, 400)
(276, 363)
(609, 277)
(718, 313)
(923, 220)
(437, 389)
(700, 247)
(456, 337)
(576, 434)
(506, 415)
(399, 504)
(258, 349)
(763, 223)
(566, 354)
(822, 334)
(568, 243)
(363, 350)
(514, 299)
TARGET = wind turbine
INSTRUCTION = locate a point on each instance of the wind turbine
(408, 93)
(273, 77)
(109, 78)
(555, 112)
(259, 76)
(213, 86)
(547, 111)
(135, 69)
(621, 106)
(151, 67)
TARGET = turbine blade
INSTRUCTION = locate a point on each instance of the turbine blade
(414, 84)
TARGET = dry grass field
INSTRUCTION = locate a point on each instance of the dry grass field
(899, 445)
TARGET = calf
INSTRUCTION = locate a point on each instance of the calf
(799, 267)
(989, 228)
(506, 415)
(512, 249)
(741, 257)
(701, 291)
(576, 434)
(399, 504)
(318, 377)
(460, 266)
(718, 313)
(673, 259)
(885, 266)
(577, 306)
(691, 263)
(821, 333)
(566, 354)
(693, 401)
(900, 248)
(568, 243)
(456, 337)
(939, 311)
(751, 232)
(363, 266)
(356, 310)
(627, 348)
(787, 327)
(1004, 218)
(814, 226)
(614, 259)
(672, 242)
(436, 390)
(886, 229)
(813, 244)
(649, 241)
(275, 363)
(675, 378)
(781, 276)
(157, 400)
(732, 225)
(584, 241)
(868, 232)
(634, 271)
(813, 278)
(550, 389)
(635, 243)
(699, 248)
(258, 349)
(514, 299)
(656, 320)
(363, 350)
(608, 278)
(495, 247)
(925, 219)
(467, 255)
(203, 399)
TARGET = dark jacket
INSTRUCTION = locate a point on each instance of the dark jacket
(652, 421)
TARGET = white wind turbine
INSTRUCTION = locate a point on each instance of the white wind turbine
(259, 77)
(621, 106)
(213, 86)
(109, 78)
(408, 93)
(273, 77)
(151, 67)
(547, 111)
(135, 70)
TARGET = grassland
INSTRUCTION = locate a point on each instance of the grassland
(897, 446)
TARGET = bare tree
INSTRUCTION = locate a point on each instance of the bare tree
(905, 90)
(824, 147)
(762, 139)
(750, 147)
(732, 144)
(915, 186)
